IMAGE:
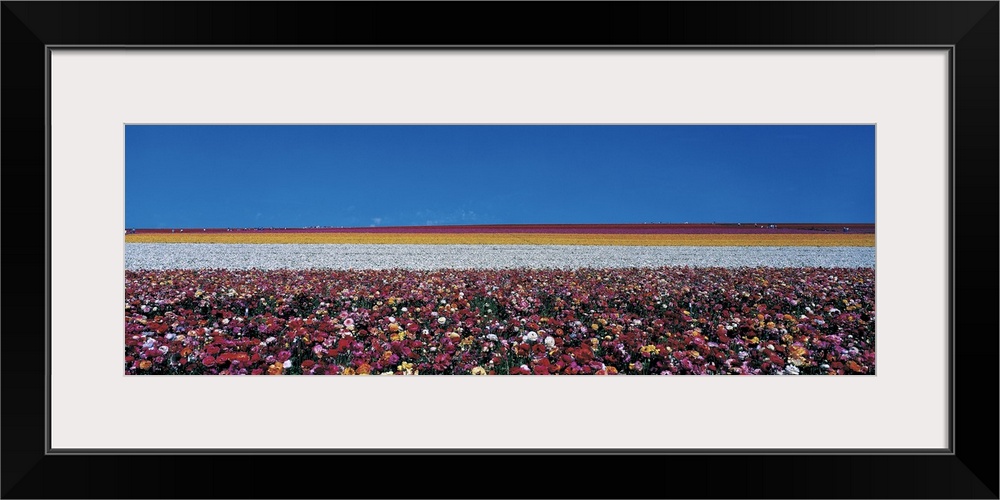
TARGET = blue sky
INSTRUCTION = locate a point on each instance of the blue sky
(402, 175)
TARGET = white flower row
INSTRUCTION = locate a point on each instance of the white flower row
(355, 256)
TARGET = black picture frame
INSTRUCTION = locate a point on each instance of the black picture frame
(970, 29)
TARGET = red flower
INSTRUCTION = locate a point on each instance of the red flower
(208, 361)
(240, 357)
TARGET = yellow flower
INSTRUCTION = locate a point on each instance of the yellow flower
(478, 370)
(650, 349)
(275, 369)
(348, 371)
(797, 354)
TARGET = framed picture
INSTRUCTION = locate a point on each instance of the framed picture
(85, 84)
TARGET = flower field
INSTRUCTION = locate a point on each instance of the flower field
(625, 320)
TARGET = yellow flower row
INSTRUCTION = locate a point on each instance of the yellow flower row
(839, 239)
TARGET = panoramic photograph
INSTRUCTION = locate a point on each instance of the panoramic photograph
(499, 250)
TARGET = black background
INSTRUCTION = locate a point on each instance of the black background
(971, 472)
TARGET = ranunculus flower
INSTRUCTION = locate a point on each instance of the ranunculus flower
(208, 361)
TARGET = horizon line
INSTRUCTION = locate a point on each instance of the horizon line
(567, 224)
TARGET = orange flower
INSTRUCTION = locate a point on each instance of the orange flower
(145, 364)
(275, 369)
(364, 369)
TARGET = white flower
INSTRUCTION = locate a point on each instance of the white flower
(287, 363)
(792, 369)
(550, 342)
(170, 336)
(270, 340)
(492, 337)
(403, 309)
(164, 349)
(391, 319)
(442, 320)
(532, 336)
